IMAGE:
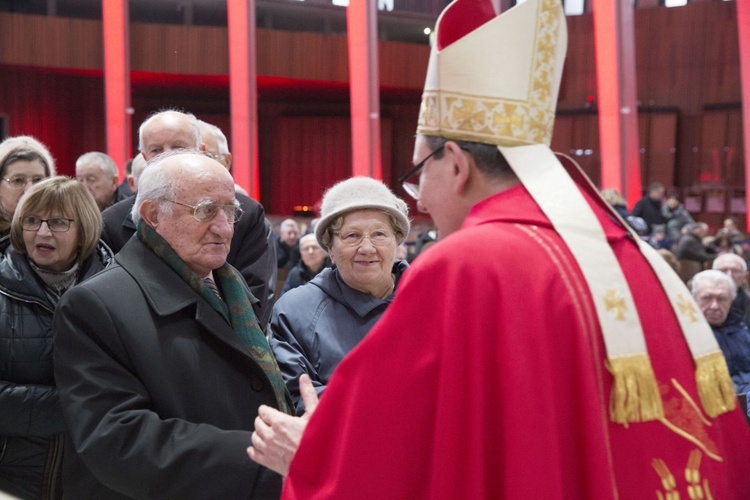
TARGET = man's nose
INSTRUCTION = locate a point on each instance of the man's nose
(422, 208)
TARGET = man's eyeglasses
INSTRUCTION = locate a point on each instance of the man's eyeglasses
(410, 180)
(207, 210)
(20, 181)
(56, 224)
(378, 238)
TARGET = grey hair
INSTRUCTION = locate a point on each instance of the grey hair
(103, 160)
(221, 139)
(712, 276)
(156, 114)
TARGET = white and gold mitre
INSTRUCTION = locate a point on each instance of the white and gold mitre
(495, 79)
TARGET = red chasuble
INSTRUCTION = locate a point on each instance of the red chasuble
(486, 378)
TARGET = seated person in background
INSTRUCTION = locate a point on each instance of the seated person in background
(723, 243)
(690, 246)
(714, 292)
(730, 229)
(314, 259)
(659, 238)
(736, 268)
(287, 245)
(314, 326)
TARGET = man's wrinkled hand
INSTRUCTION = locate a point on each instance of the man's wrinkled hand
(277, 435)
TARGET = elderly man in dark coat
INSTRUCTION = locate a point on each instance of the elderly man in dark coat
(160, 361)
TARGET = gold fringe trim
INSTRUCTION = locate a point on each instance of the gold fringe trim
(635, 393)
(715, 387)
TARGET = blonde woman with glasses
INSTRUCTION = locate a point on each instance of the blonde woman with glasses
(53, 245)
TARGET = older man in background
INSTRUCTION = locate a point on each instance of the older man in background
(250, 251)
(714, 292)
(98, 173)
(736, 268)
(161, 364)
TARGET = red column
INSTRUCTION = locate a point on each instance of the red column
(361, 23)
(616, 89)
(115, 27)
(743, 34)
(243, 95)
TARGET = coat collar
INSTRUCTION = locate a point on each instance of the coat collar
(167, 293)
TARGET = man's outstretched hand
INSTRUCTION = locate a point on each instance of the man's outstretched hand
(277, 435)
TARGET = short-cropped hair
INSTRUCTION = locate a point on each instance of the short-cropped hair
(487, 157)
(712, 276)
(67, 197)
(105, 162)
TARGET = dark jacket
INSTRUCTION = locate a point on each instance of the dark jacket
(250, 251)
(689, 247)
(649, 210)
(31, 421)
(314, 326)
(158, 391)
(301, 274)
(676, 218)
(741, 305)
(734, 339)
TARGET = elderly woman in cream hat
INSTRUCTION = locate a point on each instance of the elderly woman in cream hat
(314, 326)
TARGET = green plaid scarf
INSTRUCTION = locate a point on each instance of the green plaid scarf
(237, 309)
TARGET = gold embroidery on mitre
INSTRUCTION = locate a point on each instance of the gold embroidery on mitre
(687, 308)
(454, 115)
(614, 300)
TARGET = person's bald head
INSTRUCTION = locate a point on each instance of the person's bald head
(732, 265)
(167, 130)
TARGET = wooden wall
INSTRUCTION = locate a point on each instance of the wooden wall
(688, 90)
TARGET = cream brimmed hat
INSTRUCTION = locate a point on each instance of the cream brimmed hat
(361, 193)
(494, 79)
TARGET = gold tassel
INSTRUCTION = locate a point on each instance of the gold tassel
(635, 393)
(715, 387)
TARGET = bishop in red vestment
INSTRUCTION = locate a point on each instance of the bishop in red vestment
(517, 362)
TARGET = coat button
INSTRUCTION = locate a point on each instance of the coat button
(257, 385)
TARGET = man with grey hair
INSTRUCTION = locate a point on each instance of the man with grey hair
(98, 173)
(736, 267)
(250, 251)
(161, 364)
(714, 292)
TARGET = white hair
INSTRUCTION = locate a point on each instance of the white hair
(712, 276)
(104, 161)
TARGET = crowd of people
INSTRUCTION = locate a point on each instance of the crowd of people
(534, 349)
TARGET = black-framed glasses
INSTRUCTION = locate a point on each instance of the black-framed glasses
(55, 224)
(206, 210)
(20, 181)
(410, 180)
